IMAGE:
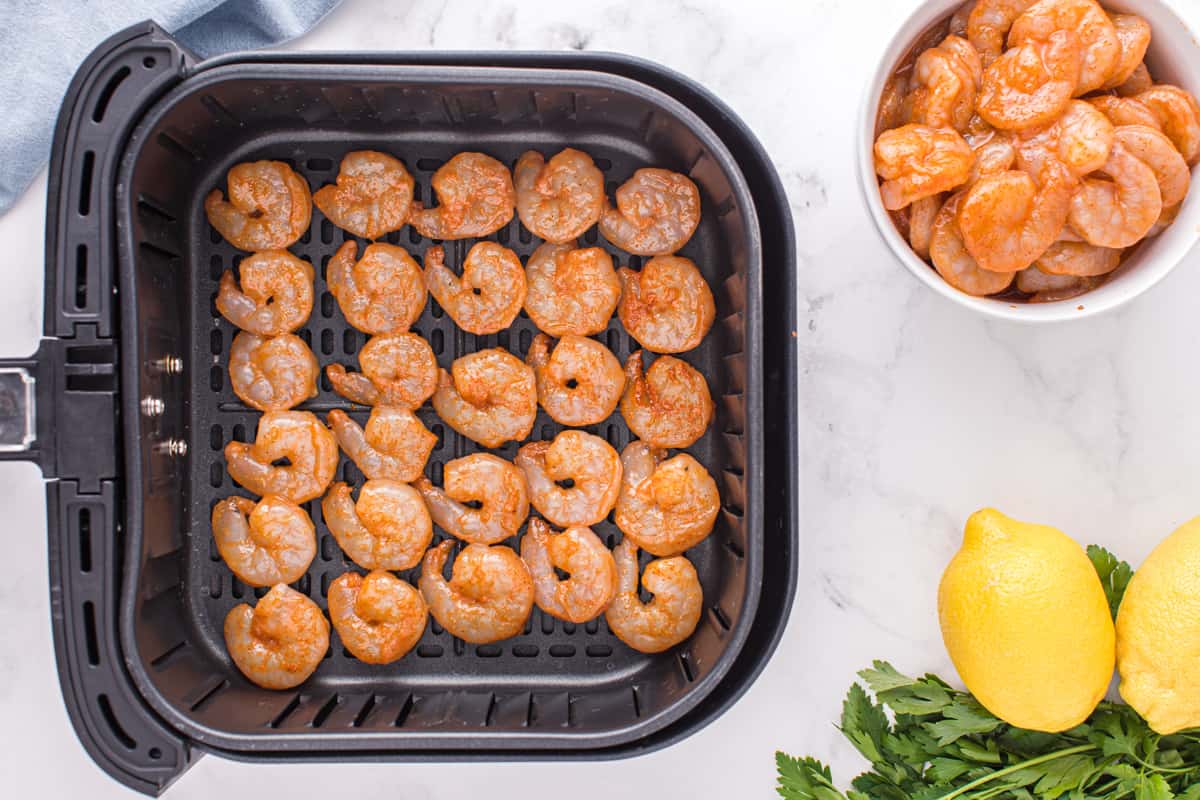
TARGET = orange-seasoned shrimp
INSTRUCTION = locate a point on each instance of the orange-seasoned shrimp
(952, 261)
(272, 374)
(668, 306)
(571, 290)
(1133, 33)
(994, 154)
(672, 614)
(275, 296)
(297, 436)
(1178, 116)
(1125, 111)
(592, 581)
(657, 211)
(1046, 288)
(669, 405)
(918, 161)
(372, 195)
(394, 444)
(490, 293)
(1030, 85)
(560, 199)
(387, 528)
(1077, 259)
(476, 196)
(988, 23)
(895, 104)
(489, 594)
(1100, 47)
(1117, 213)
(921, 215)
(579, 383)
(1165, 220)
(1080, 139)
(944, 86)
(588, 462)
(484, 500)
(1155, 150)
(383, 292)
(967, 56)
(665, 507)
(958, 20)
(1136, 83)
(280, 642)
(398, 369)
(264, 543)
(489, 396)
(378, 617)
(269, 206)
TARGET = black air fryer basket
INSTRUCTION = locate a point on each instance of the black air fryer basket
(127, 406)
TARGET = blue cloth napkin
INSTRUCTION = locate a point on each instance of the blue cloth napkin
(44, 42)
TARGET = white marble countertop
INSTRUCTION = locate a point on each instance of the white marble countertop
(913, 414)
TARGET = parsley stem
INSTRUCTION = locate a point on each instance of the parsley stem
(975, 784)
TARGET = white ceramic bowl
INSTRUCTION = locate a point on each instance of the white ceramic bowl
(1173, 57)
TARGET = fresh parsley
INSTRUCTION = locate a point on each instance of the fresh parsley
(1114, 575)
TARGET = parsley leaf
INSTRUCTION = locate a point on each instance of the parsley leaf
(804, 779)
(864, 724)
(1114, 575)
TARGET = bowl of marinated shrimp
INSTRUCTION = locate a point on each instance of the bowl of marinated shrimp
(1032, 160)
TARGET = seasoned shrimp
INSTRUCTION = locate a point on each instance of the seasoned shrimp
(559, 200)
(264, 543)
(272, 374)
(669, 405)
(668, 306)
(988, 24)
(1080, 139)
(1125, 111)
(1117, 213)
(588, 462)
(1178, 116)
(1133, 33)
(1046, 288)
(495, 491)
(1136, 83)
(489, 595)
(1165, 220)
(1155, 150)
(1076, 259)
(275, 297)
(967, 56)
(958, 20)
(592, 581)
(1030, 85)
(1101, 49)
(280, 642)
(672, 614)
(269, 206)
(384, 292)
(387, 528)
(476, 195)
(297, 436)
(571, 290)
(921, 215)
(665, 507)
(372, 195)
(918, 161)
(489, 396)
(944, 86)
(378, 617)
(952, 261)
(895, 104)
(394, 445)
(995, 154)
(579, 383)
(657, 212)
(490, 293)
(398, 369)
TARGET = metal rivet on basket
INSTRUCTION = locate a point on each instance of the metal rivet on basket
(153, 406)
(170, 365)
(172, 447)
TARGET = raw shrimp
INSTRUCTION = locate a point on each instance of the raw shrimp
(958, 20)
(1030, 85)
(672, 614)
(489, 595)
(588, 462)
(1046, 288)
(372, 196)
(1101, 49)
(996, 154)
(1133, 33)
(1165, 219)
(1117, 213)
(384, 292)
(1136, 83)
(917, 161)
(281, 641)
(378, 617)
(264, 543)
(657, 212)
(579, 383)
(398, 369)
(558, 201)
(489, 396)
(1125, 111)
(269, 206)
(272, 374)
(921, 215)
(387, 528)
(988, 24)
(1080, 139)
(476, 195)
(490, 293)
(592, 581)
(571, 290)
(299, 437)
(1178, 116)
(495, 491)
(275, 297)
(944, 88)
(669, 405)
(668, 306)
(895, 104)
(394, 444)
(1076, 259)
(665, 507)
(967, 56)
(952, 261)
(1155, 150)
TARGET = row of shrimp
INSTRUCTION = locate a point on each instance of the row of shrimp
(1030, 147)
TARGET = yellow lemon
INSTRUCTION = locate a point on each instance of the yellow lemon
(1026, 623)
(1158, 634)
